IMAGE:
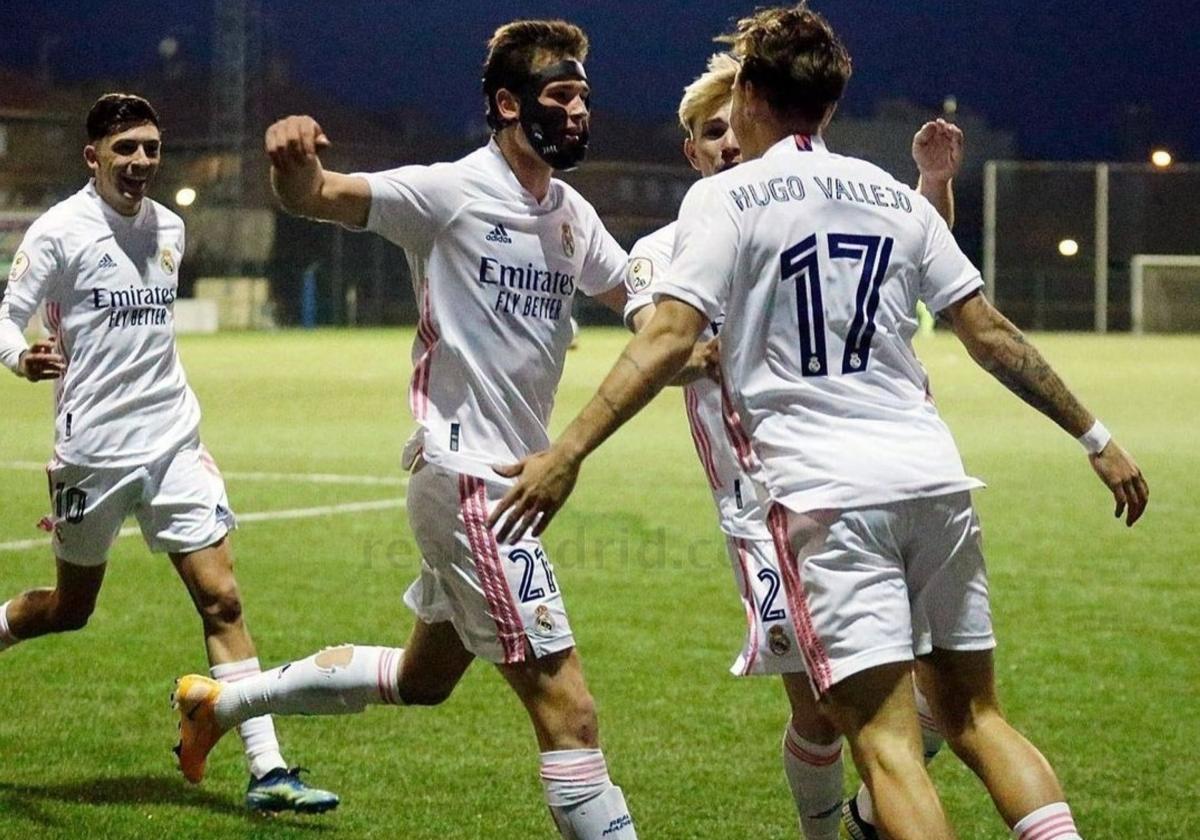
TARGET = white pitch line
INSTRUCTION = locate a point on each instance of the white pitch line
(303, 478)
(256, 516)
(319, 478)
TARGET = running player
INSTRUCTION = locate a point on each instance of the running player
(499, 248)
(817, 262)
(812, 753)
(127, 427)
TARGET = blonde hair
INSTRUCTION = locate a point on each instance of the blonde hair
(709, 92)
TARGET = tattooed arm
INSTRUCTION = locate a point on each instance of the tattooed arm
(648, 363)
(1000, 349)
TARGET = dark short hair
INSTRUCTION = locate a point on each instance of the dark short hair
(793, 57)
(115, 112)
(517, 47)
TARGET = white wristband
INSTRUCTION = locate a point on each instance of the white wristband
(1095, 439)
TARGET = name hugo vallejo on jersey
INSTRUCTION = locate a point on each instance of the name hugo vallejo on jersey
(134, 307)
(791, 188)
(527, 290)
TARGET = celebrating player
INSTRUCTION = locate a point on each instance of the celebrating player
(812, 753)
(127, 426)
(817, 262)
(499, 249)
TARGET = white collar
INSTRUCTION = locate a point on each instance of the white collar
(496, 164)
(110, 212)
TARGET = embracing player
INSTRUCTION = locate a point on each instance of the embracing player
(811, 750)
(500, 248)
(817, 262)
(105, 263)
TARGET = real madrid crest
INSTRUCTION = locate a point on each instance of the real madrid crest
(20, 265)
(541, 617)
(778, 641)
(568, 240)
(167, 261)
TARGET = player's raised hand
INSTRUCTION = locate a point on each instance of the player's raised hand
(1122, 476)
(304, 187)
(544, 481)
(42, 361)
(937, 149)
(295, 142)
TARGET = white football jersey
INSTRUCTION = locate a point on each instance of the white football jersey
(818, 261)
(500, 271)
(108, 283)
(716, 429)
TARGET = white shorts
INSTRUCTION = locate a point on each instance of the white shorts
(770, 646)
(179, 501)
(871, 586)
(502, 599)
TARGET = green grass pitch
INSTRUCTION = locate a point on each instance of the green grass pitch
(1099, 626)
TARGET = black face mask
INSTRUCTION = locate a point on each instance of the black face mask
(546, 125)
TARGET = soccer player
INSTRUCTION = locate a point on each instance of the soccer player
(817, 262)
(812, 753)
(500, 248)
(105, 262)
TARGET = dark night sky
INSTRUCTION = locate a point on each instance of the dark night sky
(1058, 74)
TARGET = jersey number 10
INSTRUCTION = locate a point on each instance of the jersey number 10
(802, 261)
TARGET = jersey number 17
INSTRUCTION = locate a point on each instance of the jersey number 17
(802, 262)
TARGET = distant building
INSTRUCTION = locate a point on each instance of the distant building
(41, 135)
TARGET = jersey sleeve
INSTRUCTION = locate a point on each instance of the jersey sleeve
(604, 267)
(35, 268)
(647, 263)
(411, 204)
(946, 274)
(706, 242)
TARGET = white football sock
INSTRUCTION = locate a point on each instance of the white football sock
(7, 639)
(1051, 822)
(335, 681)
(583, 800)
(257, 734)
(931, 744)
(814, 773)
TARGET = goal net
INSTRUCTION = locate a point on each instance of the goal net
(1164, 293)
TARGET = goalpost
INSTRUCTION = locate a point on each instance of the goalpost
(1164, 293)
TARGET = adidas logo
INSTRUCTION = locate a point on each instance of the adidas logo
(499, 234)
(107, 262)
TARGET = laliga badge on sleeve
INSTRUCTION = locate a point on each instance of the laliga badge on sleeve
(641, 274)
(568, 240)
(20, 265)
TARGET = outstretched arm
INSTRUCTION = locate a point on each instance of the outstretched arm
(1001, 349)
(937, 150)
(303, 186)
(704, 363)
(647, 364)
